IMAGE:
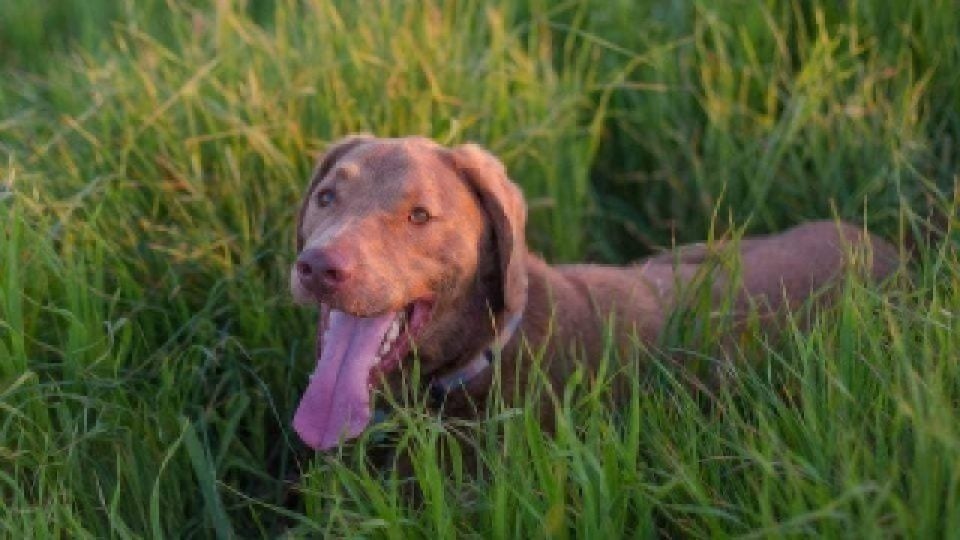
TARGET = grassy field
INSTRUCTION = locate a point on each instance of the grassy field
(152, 154)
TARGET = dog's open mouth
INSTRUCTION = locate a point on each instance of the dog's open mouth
(352, 353)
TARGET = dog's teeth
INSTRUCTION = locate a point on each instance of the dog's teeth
(384, 349)
(394, 331)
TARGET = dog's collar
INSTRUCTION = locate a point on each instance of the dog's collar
(441, 386)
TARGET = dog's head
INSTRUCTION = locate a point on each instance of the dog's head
(405, 245)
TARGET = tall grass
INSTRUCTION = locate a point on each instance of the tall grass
(775, 112)
(151, 159)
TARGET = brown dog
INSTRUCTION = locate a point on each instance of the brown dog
(405, 243)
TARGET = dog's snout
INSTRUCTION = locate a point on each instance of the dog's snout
(323, 269)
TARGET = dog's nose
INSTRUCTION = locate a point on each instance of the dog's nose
(323, 268)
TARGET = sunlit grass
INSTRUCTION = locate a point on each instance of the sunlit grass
(151, 158)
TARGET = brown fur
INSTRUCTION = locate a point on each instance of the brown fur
(471, 259)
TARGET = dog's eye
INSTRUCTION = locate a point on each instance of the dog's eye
(325, 197)
(419, 215)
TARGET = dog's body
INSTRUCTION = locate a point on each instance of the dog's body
(408, 244)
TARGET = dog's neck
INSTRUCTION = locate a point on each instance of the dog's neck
(481, 362)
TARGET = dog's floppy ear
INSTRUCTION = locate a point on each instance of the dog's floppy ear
(503, 203)
(336, 151)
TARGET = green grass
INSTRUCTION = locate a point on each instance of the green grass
(152, 155)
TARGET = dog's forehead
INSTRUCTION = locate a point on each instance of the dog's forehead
(401, 169)
(383, 180)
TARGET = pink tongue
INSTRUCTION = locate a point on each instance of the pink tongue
(336, 403)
